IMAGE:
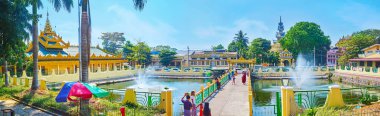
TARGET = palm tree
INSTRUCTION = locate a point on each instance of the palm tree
(85, 33)
(241, 41)
(67, 4)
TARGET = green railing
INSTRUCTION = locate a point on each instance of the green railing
(202, 95)
(307, 99)
(148, 99)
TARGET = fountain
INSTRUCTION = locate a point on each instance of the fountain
(142, 84)
(302, 74)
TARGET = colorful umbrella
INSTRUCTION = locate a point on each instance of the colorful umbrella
(74, 90)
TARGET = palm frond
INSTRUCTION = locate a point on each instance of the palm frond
(67, 4)
(139, 4)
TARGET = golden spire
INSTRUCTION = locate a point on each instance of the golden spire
(47, 24)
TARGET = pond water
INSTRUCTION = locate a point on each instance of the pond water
(179, 87)
(265, 94)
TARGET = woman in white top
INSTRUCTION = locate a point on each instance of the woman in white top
(192, 100)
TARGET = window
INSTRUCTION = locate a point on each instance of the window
(361, 63)
(369, 63)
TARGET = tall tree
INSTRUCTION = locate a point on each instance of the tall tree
(241, 43)
(128, 51)
(112, 41)
(141, 52)
(259, 46)
(14, 19)
(67, 4)
(86, 41)
(305, 37)
(166, 56)
(218, 47)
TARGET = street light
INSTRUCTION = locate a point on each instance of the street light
(285, 81)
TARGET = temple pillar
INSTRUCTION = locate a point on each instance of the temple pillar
(114, 67)
(121, 66)
(58, 71)
(107, 69)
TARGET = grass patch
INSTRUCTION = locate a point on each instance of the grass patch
(46, 100)
(7, 92)
(326, 111)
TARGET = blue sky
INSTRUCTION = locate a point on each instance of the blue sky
(201, 24)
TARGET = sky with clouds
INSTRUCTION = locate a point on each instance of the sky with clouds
(201, 24)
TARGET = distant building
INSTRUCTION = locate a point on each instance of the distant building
(199, 58)
(55, 56)
(333, 56)
(370, 57)
(286, 57)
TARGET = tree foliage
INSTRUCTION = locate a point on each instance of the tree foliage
(218, 47)
(356, 42)
(128, 51)
(112, 41)
(163, 47)
(259, 46)
(166, 56)
(303, 37)
(232, 47)
(14, 23)
(239, 44)
(141, 53)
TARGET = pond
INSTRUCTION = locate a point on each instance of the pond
(179, 87)
(265, 94)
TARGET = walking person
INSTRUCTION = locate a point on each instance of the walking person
(194, 108)
(218, 84)
(187, 105)
(206, 109)
(243, 78)
(233, 79)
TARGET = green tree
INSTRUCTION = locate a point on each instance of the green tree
(259, 46)
(240, 44)
(128, 51)
(232, 47)
(163, 47)
(358, 41)
(166, 56)
(14, 19)
(112, 41)
(303, 38)
(141, 53)
(273, 58)
(218, 47)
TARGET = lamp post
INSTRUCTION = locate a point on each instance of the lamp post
(285, 81)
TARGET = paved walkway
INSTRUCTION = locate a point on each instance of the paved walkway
(231, 101)
(20, 109)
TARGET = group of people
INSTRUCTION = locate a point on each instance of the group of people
(190, 108)
(243, 78)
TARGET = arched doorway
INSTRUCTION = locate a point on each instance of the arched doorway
(286, 63)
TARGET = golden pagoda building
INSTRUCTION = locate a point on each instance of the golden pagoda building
(286, 57)
(59, 57)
